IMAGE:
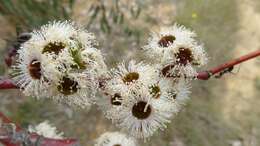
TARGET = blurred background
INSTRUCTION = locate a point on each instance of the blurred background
(221, 112)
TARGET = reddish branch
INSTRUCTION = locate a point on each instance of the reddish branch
(33, 139)
(205, 75)
(6, 83)
(7, 141)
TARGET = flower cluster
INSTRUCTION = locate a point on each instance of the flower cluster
(140, 101)
(141, 98)
(177, 51)
(61, 61)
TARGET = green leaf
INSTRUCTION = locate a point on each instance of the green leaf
(77, 58)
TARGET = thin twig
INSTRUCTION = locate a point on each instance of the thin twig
(205, 75)
(6, 83)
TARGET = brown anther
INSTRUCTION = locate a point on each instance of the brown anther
(35, 69)
(166, 72)
(184, 56)
(54, 47)
(141, 110)
(130, 77)
(67, 86)
(165, 41)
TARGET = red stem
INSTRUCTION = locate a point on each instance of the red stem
(33, 137)
(7, 141)
(7, 120)
(205, 75)
(6, 83)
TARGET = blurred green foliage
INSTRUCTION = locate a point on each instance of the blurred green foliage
(28, 14)
(33, 13)
(30, 111)
(103, 13)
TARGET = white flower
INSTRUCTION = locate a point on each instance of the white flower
(46, 130)
(177, 95)
(73, 90)
(95, 59)
(176, 49)
(115, 139)
(69, 44)
(161, 92)
(124, 80)
(142, 114)
(133, 75)
(111, 101)
(87, 38)
(184, 59)
(33, 72)
(52, 38)
(165, 38)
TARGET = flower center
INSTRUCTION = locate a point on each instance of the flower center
(184, 56)
(67, 86)
(117, 145)
(116, 99)
(166, 71)
(141, 110)
(35, 69)
(165, 41)
(155, 91)
(54, 47)
(130, 77)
